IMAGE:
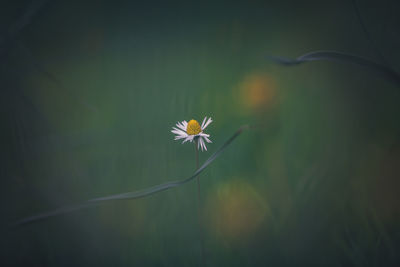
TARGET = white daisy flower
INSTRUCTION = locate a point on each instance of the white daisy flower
(192, 131)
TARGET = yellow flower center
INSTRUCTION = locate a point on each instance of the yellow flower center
(193, 127)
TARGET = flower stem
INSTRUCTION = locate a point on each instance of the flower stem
(199, 207)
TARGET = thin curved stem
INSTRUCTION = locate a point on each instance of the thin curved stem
(199, 207)
(135, 194)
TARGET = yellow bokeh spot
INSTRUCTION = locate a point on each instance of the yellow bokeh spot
(193, 127)
(236, 210)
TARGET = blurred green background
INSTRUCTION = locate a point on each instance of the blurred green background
(90, 92)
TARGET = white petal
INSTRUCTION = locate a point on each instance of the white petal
(200, 144)
(188, 138)
(202, 124)
(208, 140)
(207, 123)
(204, 145)
(177, 131)
(180, 137)
(177, 137)
(184, 123)
(179, 134)
(181, 126)
(204, 134)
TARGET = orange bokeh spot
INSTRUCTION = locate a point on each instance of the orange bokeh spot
(258, 91)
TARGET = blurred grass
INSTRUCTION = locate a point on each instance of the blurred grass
(316, 186)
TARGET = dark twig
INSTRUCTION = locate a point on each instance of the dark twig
(340, 56)
(368, 35)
